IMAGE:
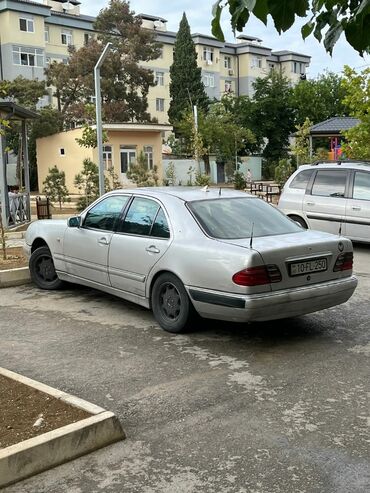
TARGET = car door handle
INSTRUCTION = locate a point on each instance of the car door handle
(310, 203)
(354, 208)
(103, 241)
(152, 249)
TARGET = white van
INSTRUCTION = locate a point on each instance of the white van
(332, 196)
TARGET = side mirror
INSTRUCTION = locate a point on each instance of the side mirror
(74, 222)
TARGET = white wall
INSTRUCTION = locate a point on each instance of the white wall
(254, 163)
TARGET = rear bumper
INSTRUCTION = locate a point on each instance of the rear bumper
(272, 305)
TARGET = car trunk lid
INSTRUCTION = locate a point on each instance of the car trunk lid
(306, 257)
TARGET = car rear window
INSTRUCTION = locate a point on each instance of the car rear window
(301, 180)
(231, 218)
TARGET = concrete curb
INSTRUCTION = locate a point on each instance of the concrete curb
(14, 277)
(55, 447)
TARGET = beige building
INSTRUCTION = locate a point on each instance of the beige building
(34, 34)
(124, 143)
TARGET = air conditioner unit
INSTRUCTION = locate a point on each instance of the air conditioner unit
(231, 71)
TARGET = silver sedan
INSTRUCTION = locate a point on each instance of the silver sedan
(186, 252)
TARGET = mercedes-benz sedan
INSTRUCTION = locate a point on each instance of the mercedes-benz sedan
(184, 252)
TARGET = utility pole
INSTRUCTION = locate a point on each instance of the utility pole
(99, 130)
(195, 110)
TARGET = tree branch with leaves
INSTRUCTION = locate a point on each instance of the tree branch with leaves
(328, 19)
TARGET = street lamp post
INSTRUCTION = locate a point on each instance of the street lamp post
(99, 130)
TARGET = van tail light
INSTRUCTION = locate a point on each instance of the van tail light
(256, 276)
(344, 262)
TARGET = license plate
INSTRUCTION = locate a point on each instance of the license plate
(307, 266)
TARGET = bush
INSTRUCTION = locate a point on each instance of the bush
(55, 186)
(282, 171)
(88, 183)
(201, 180)
(239, 181)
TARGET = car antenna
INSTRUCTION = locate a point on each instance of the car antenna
(251, 241)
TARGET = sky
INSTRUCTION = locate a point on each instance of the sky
(199, 15)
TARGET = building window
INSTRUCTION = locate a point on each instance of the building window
(32, 57)
(107, 157)
(66, 37)
(46, 34)
(227, 85)
(159, 78)
(208, 55)
(298, 68)
(62, 151)
(148, 153)
(209, 80)
(87, 38)
(159, 104)
(26, 25)
(256, 62)
(227, 62)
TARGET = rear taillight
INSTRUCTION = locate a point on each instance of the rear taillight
(344, 262)
(256, 276)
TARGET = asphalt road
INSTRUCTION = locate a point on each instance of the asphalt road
(262, 408)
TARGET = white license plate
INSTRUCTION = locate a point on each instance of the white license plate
(301, 268)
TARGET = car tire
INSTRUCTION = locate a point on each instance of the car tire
(300, 221)
(42, 269)
(171, 305)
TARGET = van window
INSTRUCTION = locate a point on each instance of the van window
(330, 183)
(361, 186)
(301, 180)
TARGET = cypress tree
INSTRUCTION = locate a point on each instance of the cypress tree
(186, 86)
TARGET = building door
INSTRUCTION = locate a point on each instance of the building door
(128, 158)
(220, 172)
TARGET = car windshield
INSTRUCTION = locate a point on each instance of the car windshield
(232, 218)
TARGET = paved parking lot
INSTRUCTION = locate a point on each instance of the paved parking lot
(229, 408)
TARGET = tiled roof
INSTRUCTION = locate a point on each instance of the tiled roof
(334, 125)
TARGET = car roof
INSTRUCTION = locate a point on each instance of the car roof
(348, 164)
(186, 194)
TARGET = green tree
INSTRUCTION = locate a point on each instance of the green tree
(186, 86)
(273, 114)
(357, 98)
(244, 115)
(282, 171)
(141, 175)
(55, 186)
(301, 146)
(124, 82)
(328, 94)
(217, 134)
(87, 181)
(333, 18)
(26, 92)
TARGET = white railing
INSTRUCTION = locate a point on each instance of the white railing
(18, 210)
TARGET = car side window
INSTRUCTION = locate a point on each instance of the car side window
(160, 227)
(361, 186)
(140, 217)
(302, 179)
(105, 214)
(329, 183)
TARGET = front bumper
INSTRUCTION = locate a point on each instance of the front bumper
(273, 305)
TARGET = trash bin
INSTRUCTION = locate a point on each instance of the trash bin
(43, 208)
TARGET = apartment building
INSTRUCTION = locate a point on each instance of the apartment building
(33, 34)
